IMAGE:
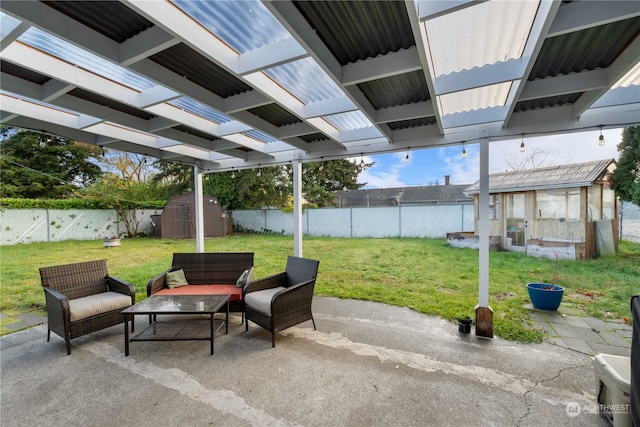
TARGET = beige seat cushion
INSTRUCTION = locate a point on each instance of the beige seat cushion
(84, 307)
(261, 300)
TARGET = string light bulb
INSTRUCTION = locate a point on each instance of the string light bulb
(362, 159)
(601, 138)
(464, 151)
(321, 164)
(233, 174)
(522, 144)
(406, 158)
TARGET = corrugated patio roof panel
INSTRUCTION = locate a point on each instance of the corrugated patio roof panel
(275, 114)
(396, 90)
(583, 50)
(186, 62)
(552, 101)
(111, 103)
(357, 30)
(110, 18)
(558, 176)
(404, 124)
(23, 73)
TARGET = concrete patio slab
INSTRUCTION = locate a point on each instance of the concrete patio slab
(368, 364)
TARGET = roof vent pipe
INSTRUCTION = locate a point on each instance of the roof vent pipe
(447, 180)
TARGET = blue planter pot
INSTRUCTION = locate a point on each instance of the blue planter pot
(545, 296)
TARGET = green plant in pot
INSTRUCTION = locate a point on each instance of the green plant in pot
(464, 324)
(546, 296)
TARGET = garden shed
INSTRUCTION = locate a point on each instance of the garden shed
(565, 210)
(178, 220)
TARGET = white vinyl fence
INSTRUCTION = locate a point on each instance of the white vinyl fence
(403, 221)
(52, 225)
(49, 225)
(629, 222)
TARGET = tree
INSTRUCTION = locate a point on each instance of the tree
(34, 165)
(531, 159)
(626, 177)
(127, 198)
(265, 186)
(131, 166)
(320, 180)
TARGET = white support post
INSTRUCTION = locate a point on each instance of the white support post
(297, 208)
(484, 313)
(197, 186)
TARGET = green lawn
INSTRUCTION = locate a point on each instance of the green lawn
(423, 274)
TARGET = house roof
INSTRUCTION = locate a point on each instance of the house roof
(423, 195)
(243, 84)
(560, 176)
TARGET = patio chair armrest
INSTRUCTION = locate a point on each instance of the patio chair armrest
(57, 305)
(268, 282)
(157, 283)
(123, 287)
(293, 298)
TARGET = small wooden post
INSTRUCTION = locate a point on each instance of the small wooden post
(484, 322)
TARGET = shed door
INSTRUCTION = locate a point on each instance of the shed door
(185, 221)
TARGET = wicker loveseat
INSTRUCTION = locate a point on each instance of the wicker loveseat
(282, 300)
(208, 273)
(83, 298)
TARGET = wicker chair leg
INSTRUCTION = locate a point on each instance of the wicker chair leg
(273, 339)
(314, 323)
(48, 335)
(68, 347)
(246, 326)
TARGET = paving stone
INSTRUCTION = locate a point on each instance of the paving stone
(31, 319)
(625, 334)
(16, 326)
(564, 330)
(554, 317)
(3, 316)
(535, 315)
(614, 339)
(619, 326)
(588, 335)
(577, 344)
(611, 349)
(544, 327)
(597, 323)
(577, 321)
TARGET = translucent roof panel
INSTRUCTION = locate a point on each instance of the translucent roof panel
(260, 136)
(482, 34)
(201, 110)
(305, 80)
(474, 99)
(61, 49)
(243, 25)
(630, 79)
(9, 23)
(349, 121)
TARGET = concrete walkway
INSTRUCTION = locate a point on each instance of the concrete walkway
(368, 364)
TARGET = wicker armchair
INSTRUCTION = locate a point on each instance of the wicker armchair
(82, 298)
(282, 300)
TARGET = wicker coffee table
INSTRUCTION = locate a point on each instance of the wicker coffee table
(183, 323)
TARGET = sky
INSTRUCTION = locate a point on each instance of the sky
(429, 166)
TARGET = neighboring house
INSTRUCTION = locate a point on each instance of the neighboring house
(565, 210)
(446, 194)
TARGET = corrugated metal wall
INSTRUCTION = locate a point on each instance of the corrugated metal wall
(629, 222)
